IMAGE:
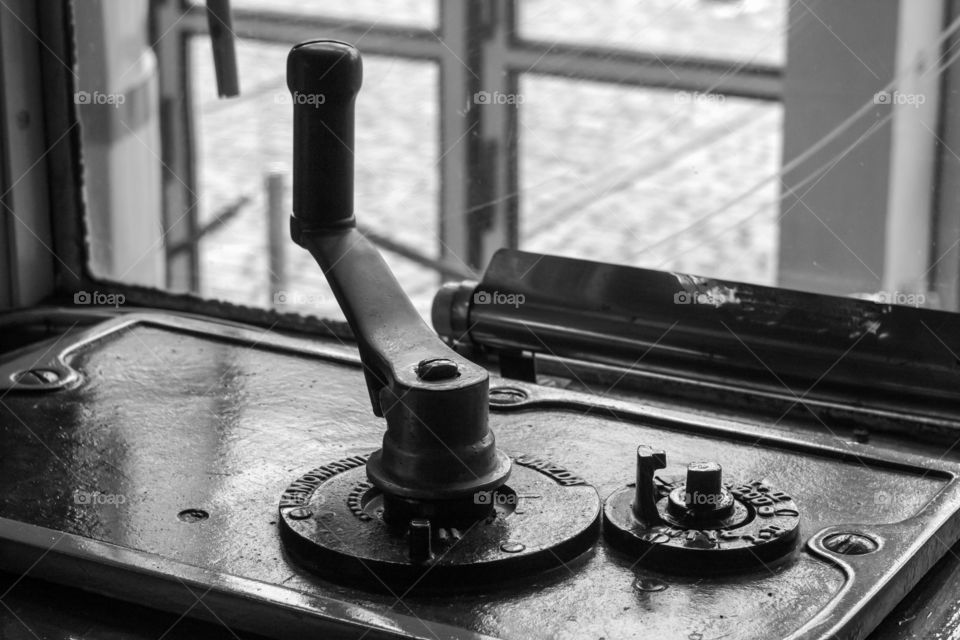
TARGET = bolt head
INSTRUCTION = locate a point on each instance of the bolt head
(437, 369)
(507, 395)
(850, 544)
(650, 585)
(37, 377)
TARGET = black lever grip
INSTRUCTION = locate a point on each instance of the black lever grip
(324, 77)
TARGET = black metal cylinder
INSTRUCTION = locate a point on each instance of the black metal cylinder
(324, 77)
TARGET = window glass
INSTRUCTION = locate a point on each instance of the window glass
(651, 186)
(737, 30)
(807, 145)
(405, 12)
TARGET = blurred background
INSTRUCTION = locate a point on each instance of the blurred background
(798, 144)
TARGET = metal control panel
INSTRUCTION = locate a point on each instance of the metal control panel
(163, 452)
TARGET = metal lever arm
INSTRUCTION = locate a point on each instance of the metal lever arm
(438, 446)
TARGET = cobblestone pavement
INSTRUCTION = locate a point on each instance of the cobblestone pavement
(632, 176)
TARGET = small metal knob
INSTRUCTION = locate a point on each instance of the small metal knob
(704, 486)
(702, 496)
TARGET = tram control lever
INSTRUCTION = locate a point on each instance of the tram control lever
(438, 452)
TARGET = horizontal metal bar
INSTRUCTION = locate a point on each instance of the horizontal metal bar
(601, 64)
(287, 28)
(445, 267)
(220, 218)
(645, 69)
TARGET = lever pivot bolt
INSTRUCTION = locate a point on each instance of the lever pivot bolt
(437, 369)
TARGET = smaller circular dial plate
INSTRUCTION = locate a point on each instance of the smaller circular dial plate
(765, 526)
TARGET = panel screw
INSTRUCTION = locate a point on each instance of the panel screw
(850, 544)
(37, 377)
(507, 395)
(300, 513)
(512, 547)
(436, 369)
(649, 585)
(193, 515)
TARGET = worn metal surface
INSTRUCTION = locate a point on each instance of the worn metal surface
(171, 418)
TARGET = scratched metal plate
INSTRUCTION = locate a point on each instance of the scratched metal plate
(169, 415)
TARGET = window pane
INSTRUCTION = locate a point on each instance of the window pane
(739, 30)
(422, 13)
(643, 177)
(632, 174)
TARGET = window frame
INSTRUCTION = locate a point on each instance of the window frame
(67, 267)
